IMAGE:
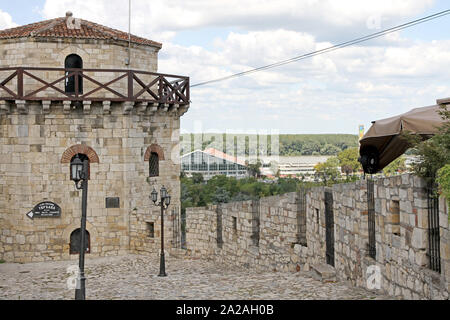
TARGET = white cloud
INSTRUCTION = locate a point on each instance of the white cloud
(334, 92)
(6, 20)
(160, 18)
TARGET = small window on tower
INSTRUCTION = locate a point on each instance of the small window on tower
(151, 229)
(154, 165)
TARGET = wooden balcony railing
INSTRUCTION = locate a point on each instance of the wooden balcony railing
(59, 84)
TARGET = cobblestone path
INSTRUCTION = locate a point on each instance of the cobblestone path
(135, 277)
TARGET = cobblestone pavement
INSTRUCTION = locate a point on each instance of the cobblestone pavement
(135, 277)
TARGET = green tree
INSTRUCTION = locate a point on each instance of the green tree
(443, 178)
(433, 153)
(396, 166)
(254, 169)
(328, 171)
(221, 195)
(329, 149)
(197, 177)
(348, 160)
(309, 147)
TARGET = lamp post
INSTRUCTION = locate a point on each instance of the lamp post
(164, 204)
(79, 173)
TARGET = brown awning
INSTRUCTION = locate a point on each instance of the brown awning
(383, 138)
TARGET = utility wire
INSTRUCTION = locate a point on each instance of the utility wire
(330, 49)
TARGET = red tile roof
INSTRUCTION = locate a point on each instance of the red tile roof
(58, 28)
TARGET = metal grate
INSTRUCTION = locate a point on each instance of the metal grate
(255, 222)
(301, 217)
(176, 228)
(329, 227)
(433, 228)
(154, 165)
(371, 217)
(183, 229)
(219, 227)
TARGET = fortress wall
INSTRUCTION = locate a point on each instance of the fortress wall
(401, 235)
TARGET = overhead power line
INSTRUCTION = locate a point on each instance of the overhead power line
(332, 48)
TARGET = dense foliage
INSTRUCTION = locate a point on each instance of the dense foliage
(320, 144)
(289, 145)
(221, 189)
(434, 153)
(348, 161)
(396, 166)
(443, 178)
(328, 171)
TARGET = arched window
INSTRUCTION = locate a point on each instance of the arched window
(154, 154)
(154, 165)
(75, 241)
(73, 61)
(82, 157)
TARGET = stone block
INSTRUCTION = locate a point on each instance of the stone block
(422, 218)
(323, 272)
(419, 238)
(20, 239)
(419, 182)
(403, 194)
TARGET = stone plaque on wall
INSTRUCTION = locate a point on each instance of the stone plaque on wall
(112, 203)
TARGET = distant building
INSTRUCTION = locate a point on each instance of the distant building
(299, 165)
(291, 166)
(212, 162)
(410, 160)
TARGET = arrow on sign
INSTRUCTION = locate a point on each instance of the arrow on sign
(30, 214)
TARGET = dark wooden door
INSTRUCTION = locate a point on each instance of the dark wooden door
(75, 242)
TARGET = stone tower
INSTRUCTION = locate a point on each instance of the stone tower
(67, 87)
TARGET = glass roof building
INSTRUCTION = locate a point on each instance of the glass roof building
(211, 163)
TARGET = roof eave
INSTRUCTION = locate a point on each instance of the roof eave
(118, 41)
(443, 101)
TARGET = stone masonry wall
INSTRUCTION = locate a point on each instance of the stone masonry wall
(277, 233)
(401, 234)
(31, 148)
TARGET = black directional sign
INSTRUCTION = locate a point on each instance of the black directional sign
(45, 209)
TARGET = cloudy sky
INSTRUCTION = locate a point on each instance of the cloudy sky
(330, 93)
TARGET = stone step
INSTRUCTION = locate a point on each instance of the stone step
(323, 272)
(177, 252)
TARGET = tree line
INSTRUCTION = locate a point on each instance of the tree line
(344, 168)
(196, 192)
(287, 144)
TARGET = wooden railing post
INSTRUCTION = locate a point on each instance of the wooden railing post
(130, 85)
(188, 92)
(20, 83)
(160, 89)
(77, 85)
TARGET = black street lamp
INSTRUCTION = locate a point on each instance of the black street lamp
(79, 173)
(164, 203)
